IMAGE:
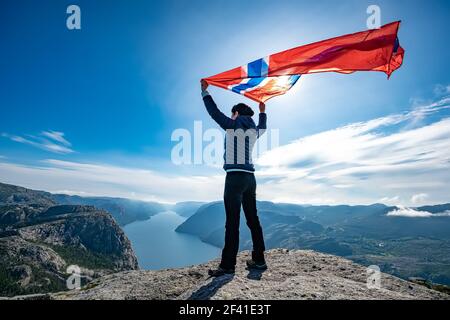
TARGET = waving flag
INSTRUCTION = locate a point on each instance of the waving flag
(265, 78)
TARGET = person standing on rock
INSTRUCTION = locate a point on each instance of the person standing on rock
(240, 183)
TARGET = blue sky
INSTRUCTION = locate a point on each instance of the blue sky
(81, 107)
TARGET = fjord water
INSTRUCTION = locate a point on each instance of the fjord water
(158, 246)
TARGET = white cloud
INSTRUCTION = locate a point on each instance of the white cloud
(390, 200)
(381, 160)
(108, 180)
(409, 212)
(419, 198)
(441, 89)
(343, 186)
(412, 213)
(74, 193)
(386, 158)
(52, 141)
(356, 141)
(56, 136)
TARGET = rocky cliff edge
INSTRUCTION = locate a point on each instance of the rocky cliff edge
(296, 274)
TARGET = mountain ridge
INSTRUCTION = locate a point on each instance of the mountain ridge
(39, 239)
(403, 246)
(340, 230)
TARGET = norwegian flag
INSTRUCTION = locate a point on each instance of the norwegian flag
(265, 78)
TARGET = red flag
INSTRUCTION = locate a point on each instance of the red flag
(262, 79)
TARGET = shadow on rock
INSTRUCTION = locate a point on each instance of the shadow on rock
(208, 290)
(255, 274)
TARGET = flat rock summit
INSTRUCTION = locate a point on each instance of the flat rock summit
(292, 274)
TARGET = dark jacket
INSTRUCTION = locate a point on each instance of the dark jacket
(241, 135)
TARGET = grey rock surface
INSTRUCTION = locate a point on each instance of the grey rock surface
(296, 274)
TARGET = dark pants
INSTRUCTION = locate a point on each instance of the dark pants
(240, 188)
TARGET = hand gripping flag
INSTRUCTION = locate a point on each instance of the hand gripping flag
(265, 78)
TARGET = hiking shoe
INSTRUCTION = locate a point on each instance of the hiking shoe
(256, 265)
(219, 272)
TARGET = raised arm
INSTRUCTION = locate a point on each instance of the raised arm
(222, 120)
(262, 122)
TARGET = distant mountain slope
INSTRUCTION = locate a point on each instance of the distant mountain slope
(186, 208)
(404, 246)
(123, 210)
(39, 239)
(10, 194)
(207, 218)
(293, 275)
